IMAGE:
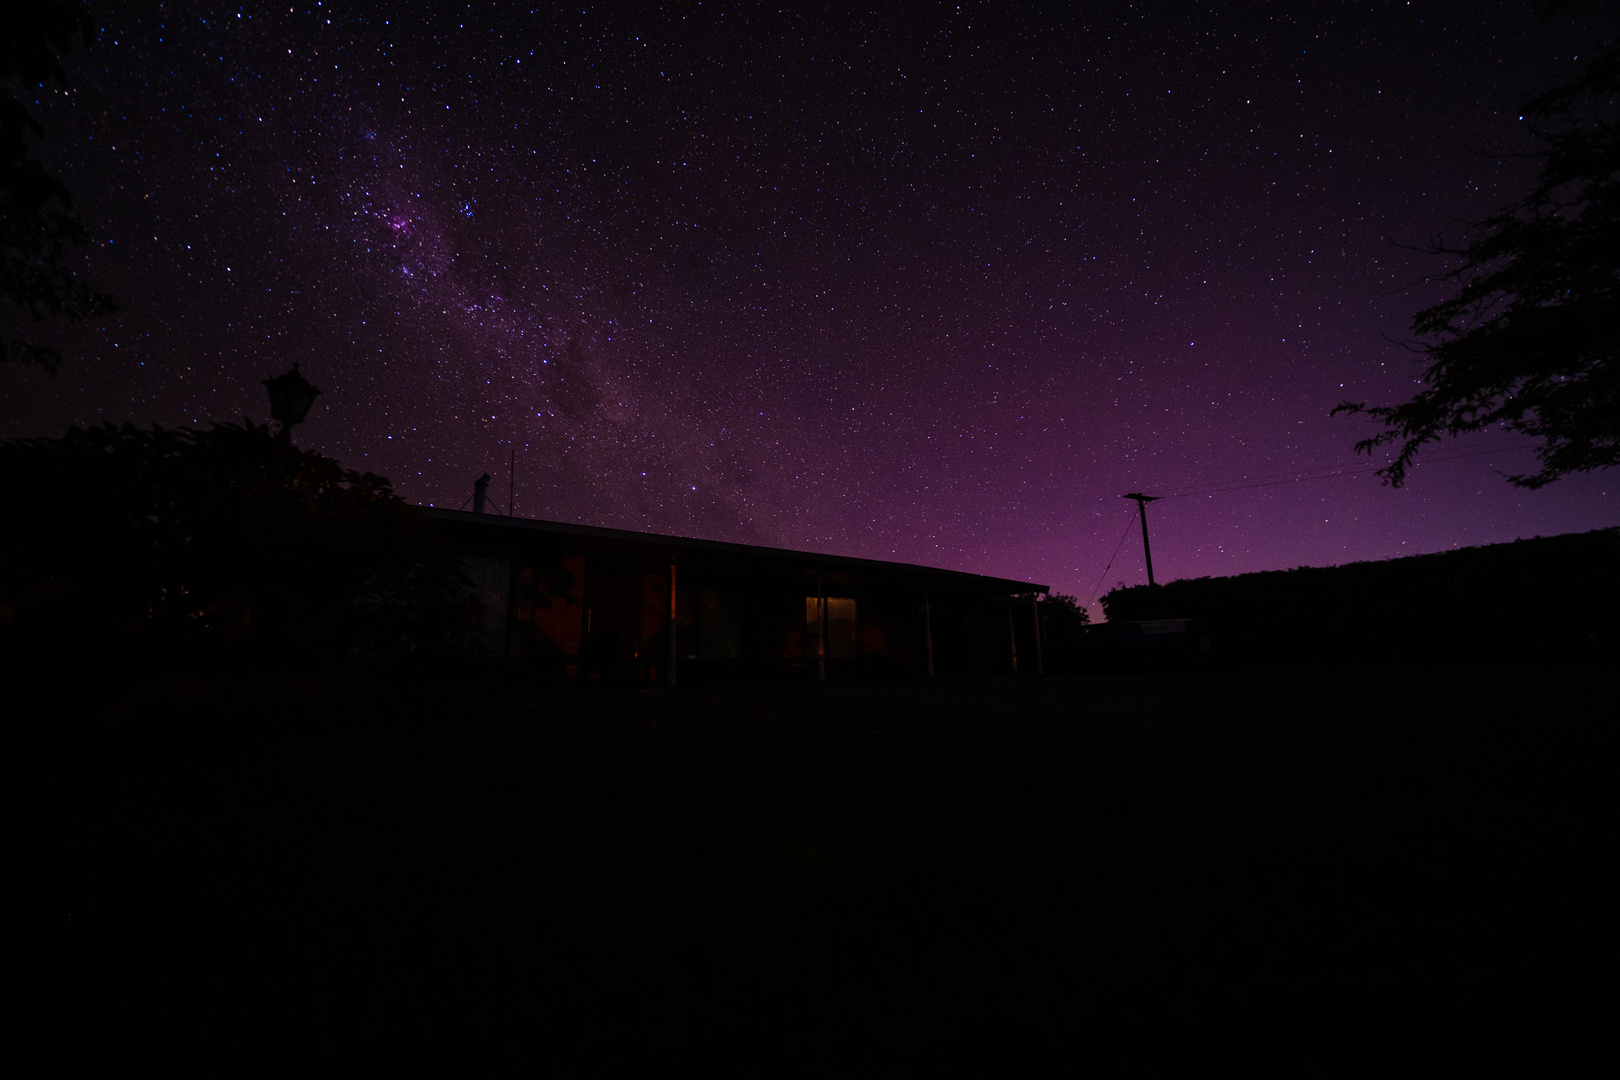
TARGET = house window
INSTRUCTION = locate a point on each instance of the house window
(717, 624)
(840, 627)
(492, 583)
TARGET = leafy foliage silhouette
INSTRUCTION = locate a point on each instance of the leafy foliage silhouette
(1530, 340)
(1063, 623)
(1063, 617)
(222, 541)
(37, 224)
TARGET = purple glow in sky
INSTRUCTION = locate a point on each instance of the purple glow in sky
(936, 287)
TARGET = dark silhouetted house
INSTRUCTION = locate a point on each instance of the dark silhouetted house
(591, 603)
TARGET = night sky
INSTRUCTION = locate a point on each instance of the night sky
(934, 285)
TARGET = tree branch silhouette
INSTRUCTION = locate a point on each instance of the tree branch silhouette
(1529, 341)
(38, 228)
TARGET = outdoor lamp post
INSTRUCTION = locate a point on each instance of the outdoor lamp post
(291, 396)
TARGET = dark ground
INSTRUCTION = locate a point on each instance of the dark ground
(831, 879)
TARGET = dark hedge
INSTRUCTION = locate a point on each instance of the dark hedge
(1546, 598)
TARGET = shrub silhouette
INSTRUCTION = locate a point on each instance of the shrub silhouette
(225, 541)
(1063, 623)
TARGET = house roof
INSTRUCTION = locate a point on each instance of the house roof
(520, 526)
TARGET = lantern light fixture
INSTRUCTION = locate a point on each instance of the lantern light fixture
(291, 396)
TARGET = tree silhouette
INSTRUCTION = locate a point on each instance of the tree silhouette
(1063, 623)
(128, 541)
(37, 224)
(1063, 617)
(1531, 339)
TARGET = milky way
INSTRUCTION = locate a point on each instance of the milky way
(938, 291)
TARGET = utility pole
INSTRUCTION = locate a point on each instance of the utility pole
(1141, 507)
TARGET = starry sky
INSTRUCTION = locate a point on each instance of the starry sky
(928, 283)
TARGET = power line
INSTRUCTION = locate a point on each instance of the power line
(1098, 587)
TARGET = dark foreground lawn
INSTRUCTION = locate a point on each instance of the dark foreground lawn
(826, 878)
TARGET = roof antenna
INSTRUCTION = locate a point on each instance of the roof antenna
(511, 482)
